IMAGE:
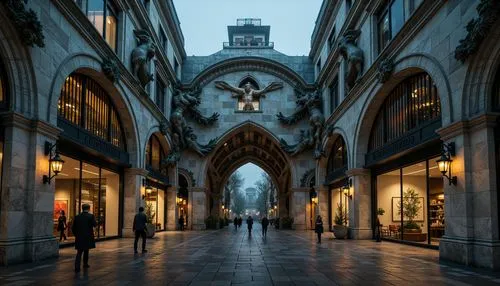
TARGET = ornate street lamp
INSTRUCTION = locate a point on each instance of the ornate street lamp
(347, 188)
(444, 163)
(55, 162)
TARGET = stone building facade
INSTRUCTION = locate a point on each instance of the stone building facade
(355, 127)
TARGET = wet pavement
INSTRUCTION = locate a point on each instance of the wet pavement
(229, 257)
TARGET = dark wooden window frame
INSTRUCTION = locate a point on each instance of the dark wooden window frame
(161, 173)
(333, 171)
(108, 5)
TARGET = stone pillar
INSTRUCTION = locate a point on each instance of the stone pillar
(471, 207)
(360, 206)
(197, 208)
(132, 198)
(322, 208)
(27, 204)
(300, 208)
(172, 209)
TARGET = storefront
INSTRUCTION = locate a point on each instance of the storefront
(338, 196)
(407, 187)
(93, 149)
(156, 183)
(183, 199)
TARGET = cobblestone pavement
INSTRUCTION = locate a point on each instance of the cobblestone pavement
(229, 257)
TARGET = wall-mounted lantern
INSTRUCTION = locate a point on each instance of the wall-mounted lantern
(314, 196)
(347, 188)
(147, 188)
(55, 162)
(444, 163)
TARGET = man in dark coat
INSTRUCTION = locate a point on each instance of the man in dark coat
(83, 229)
(139, 229)
(265, 223)
(181, 223)
(249, 225)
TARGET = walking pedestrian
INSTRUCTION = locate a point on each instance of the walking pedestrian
(83, 229)
(265, 223)
(249, 225)
(61, 226)
(240, 222)
(139, 228)
(181, 223)
(235, 222)
(319, 228)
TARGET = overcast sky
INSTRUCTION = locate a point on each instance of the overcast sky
(251, 173)
(204, 22)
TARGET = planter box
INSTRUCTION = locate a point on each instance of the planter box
(340, 231)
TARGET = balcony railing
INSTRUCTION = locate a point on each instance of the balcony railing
(247, 22)
(246, 45)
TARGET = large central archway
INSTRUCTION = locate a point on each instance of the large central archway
(248, 143)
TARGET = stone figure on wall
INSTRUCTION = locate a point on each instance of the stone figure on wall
(247, 94)
(142, 55)
(26, 21)
(184, 104)
(307, 104)
(354, 56)
(110, 69)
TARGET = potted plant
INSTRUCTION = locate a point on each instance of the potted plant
(150, 215)
(411, 205)
(340, 220)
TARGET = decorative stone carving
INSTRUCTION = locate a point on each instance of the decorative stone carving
(478, 28)
(164, 126)
(191, 176)
(26, 22)
(110, 69)
(248, 94)
(142, 55)
(385, 69)
(306, 178)
(307, 104)
(353, 55)
(184, 103)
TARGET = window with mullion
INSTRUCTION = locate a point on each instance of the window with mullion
(391, 19)
(334, 94)
(160, 94)
(103, 15)
(163, 41)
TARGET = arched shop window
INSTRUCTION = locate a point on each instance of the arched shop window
(403, 150)
(337, 161)
(155, 154)
(84, 103)
(410, 106)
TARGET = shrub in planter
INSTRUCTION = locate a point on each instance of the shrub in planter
(277, 223)
(340, 220)
(150, 216)
(211, 222)
(222, 222)
(226, 221)
(287, 222)
(411, 206)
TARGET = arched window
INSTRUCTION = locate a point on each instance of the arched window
(413, 104)
(337, 161)
(496, 91)
(155, 154)
(3, 86)
(84, 103)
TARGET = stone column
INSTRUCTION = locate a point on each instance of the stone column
(197, 208)
(27, 204)
(132, 200)
(172, 209)
(322, 208)
(300, 208)
(360, 206)
(471, 207)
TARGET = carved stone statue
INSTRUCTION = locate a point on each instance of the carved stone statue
(141, 56)
(307, 104)
(353, 55)
(384, 70)
(26, 22)
(183, 104)
(110, 69)
(247, 94)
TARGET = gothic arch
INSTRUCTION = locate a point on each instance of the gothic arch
(90, 66)
(249, 64)
(403, 68)
(16, 57)
(327, 146)
(480, 77)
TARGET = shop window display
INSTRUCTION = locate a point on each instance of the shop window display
(83, 183)
(155, 203)
(413, 200)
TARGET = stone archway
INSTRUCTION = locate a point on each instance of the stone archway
(248, 143)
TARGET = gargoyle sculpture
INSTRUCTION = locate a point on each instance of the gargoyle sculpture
(184, 103)
(307, 104)
(353, 55)
(141, 56)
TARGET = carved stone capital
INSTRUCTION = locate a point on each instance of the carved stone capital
(110, 69)
(28, 26)
(385, 69)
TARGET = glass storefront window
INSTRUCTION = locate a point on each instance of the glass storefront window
(413, 200)
(155, 203)
(84, 183)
